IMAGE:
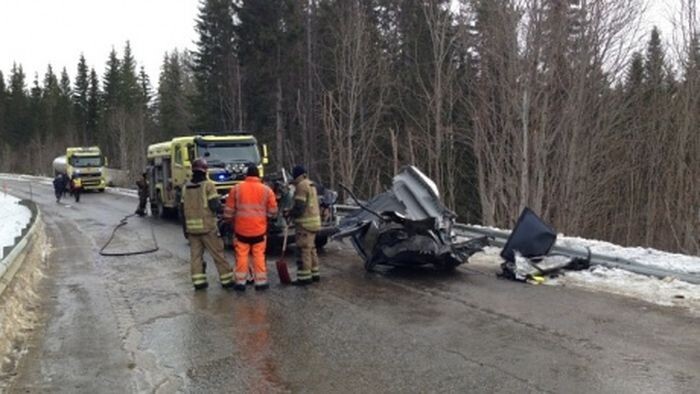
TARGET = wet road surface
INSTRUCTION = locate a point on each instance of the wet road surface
(134, 324)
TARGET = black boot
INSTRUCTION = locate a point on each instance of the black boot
(262, 287)
(201, 286)
(239, 287)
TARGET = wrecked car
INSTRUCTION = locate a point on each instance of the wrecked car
(407, 226)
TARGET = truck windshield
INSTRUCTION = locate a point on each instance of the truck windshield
(86, 161)
(219, 153)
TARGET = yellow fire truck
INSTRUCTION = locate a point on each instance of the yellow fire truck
(86, 163)
(170, 165)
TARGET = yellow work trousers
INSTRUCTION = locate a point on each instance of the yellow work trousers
(306, 242)
(215, 246)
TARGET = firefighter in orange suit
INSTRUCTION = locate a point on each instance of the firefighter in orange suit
(249, 205)
(200, 204)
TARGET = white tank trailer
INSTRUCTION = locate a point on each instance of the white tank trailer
(60, 165)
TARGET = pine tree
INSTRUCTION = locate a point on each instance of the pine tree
(130, 91)
(635, 73)
(64, 115)
(215, 67)
(80, 98)
(17, 106)
(49, 102)
(93, 110)
(3, 104)
(269, 37)
(111, 82)
(655, 66)
(692, 63)
(145, 88)
(174, 114)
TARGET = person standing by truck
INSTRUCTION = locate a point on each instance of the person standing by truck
(142, 186)
(307, 221)
(76, 186)
(59, 186)
(200, 204)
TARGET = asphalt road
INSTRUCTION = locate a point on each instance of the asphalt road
(134, 324)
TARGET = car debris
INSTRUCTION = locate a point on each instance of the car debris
(407, 225)
(527, 252)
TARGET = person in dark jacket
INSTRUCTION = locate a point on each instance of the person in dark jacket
(142, 186)
(59, 186)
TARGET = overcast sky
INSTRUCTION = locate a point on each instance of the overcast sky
(35, 33)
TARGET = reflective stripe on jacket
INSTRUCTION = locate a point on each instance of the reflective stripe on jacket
(249, 204)
(199, 219)
(305, 191)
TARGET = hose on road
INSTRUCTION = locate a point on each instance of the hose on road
(121, 224)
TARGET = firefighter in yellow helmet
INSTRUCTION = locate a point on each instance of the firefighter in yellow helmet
(307, 221)
(200, 204)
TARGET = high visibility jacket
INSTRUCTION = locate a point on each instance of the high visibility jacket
(305, 192)
(77, 183)
(199, 219)
(249, 204)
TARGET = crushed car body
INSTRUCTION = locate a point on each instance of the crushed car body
(407, 225)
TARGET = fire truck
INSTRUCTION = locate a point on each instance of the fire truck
(170, 168)
(170, 165)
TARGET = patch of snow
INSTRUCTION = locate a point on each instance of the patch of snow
(123, 191)
(666, 292)
(15, 217)
(646, 256)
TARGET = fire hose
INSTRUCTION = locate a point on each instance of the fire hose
(123, 222)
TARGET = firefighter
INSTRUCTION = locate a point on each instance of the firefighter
(200, 204)
(249, 205)
(76, 186)
(142, 186)
(307, 221)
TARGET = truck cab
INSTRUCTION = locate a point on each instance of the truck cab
(170, 165)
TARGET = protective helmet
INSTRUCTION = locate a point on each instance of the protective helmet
(200, 165)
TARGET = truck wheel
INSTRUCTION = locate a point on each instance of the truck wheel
(158, 210)
(102, 190)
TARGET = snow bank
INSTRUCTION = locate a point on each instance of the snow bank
(15, 217)
(646, 256)
(123, 191)
(666, 292)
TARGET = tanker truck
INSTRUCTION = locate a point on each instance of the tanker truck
(87, 163)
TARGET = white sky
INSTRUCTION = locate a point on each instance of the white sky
(35, 33)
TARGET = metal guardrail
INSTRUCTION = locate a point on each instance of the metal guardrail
(499, 237)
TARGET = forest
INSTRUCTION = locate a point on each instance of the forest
(573, 108)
